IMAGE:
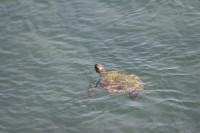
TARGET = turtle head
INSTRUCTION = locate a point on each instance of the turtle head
(99, 68)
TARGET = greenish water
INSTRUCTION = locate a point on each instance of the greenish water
(47, 54)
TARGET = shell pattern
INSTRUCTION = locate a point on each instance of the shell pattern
(120, 82)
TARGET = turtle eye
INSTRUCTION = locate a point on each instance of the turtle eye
(96, 67)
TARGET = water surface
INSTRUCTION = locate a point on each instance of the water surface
(47, 56)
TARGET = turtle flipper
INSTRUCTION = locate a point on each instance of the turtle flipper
(134, 94)
(91, 87)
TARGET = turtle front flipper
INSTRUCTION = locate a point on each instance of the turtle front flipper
(91, 87)
(134, 94)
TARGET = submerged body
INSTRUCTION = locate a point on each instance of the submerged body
(115, 81)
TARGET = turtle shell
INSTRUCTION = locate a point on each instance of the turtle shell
(115, 81)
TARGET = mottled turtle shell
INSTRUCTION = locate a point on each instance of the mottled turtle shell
(120, 82)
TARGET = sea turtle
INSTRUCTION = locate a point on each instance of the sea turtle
(115, 81)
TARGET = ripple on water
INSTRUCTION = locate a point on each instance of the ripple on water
(48, 54)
